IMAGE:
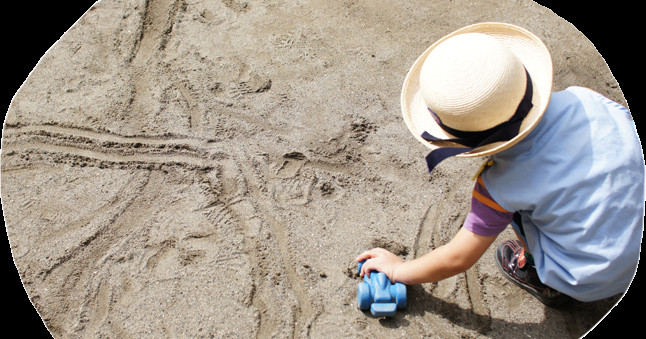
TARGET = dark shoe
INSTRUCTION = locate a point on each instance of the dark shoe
(512, 263)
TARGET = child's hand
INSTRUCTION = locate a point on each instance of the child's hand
(379, 259)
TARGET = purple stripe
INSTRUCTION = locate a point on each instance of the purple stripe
(484, 220)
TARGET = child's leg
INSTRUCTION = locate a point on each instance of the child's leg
(522, 241)
(517, 225)
(517, 264)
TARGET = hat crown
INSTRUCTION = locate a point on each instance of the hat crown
(472, 82)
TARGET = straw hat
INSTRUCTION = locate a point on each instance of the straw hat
(474, 79)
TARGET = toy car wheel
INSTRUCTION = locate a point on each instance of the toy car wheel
(400, 295)
(363, 296)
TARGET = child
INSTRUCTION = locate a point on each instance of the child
(565, 169)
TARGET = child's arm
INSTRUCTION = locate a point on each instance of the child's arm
(445, 261)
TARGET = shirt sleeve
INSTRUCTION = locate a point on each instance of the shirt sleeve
(486, 217)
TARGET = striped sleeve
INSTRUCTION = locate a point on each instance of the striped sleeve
(486, 217)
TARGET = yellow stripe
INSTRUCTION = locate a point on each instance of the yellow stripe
(486, 200)
(488, 162)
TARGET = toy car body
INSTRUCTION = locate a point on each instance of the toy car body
(378, 294)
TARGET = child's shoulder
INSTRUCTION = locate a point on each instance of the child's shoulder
(577, 97)
(566, 97)
(571, 94)
(585, 95)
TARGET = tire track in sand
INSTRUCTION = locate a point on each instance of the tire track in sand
(304, 311)
(103, 149)
(428, 238)
(283, 311)
(157, 22)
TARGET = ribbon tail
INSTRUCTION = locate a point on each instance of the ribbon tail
(435, 157)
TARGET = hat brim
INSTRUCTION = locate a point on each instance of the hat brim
(526, 46)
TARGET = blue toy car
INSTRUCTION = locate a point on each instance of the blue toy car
(379, 295)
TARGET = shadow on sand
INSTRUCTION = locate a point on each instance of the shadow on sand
(579, 317)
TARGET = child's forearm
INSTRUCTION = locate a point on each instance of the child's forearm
(455, 257)
(434, 266)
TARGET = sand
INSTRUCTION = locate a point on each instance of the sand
(212, 168)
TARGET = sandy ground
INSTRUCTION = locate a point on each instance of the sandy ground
(178, 168)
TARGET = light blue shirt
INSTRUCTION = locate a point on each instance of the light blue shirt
(578, 182)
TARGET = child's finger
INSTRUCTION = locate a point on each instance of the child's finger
(365, 255)
(366, 268)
